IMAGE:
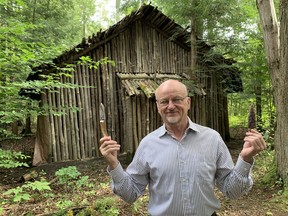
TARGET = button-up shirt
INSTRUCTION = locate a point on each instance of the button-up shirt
(181, 174)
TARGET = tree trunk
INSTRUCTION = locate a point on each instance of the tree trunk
(193, 38)
(278, 68)
(281, 135)
(14, 127)
(28, 125)
(43, 138)
(34, 12)
(258, 92)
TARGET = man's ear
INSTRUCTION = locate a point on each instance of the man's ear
(158, 109)
(189, 102)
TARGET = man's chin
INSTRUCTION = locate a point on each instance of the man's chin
(172, 120)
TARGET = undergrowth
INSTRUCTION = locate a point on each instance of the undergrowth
(12, 159)
(266, 177)
(68, 193)
(72, 193)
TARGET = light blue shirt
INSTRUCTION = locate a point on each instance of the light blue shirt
(181, 175)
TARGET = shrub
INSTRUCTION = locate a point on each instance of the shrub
(67, 173)
(25, 192)
(12, 159)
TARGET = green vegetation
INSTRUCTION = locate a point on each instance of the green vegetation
(29, 190)
(266, 177)
(107, 206)
(32, 34)
(90, 196)
(67, 174)
(93, 196)
(12, 159)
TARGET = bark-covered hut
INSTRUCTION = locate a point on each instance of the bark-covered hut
(147, 48)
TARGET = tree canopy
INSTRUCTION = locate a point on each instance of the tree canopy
(33, 33)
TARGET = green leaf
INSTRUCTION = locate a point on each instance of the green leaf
(21, 197)
(38, 185)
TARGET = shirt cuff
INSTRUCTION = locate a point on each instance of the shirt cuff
(243, 167)
(117, 174)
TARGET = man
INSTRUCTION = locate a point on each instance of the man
(181, 161)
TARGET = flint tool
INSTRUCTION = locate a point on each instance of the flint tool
(251, 118)
(103, 120)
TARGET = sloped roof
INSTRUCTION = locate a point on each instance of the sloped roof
(147, 83)
(150, 15)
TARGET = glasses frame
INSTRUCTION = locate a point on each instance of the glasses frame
(176, 101)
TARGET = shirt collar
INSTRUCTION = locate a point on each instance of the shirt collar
(192, 126)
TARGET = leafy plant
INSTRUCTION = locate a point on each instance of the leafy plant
(12, 159)
(87, 211)
(62, 204)
(24, 193)
(104, 185)
(19, 194)
(84, 181)
(86, 60)
(107, 206)
(66, 174)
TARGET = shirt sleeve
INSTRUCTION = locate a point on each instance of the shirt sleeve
(130, 184)
(233, 181)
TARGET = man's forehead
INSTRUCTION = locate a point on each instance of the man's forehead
(172, 87)
(171, 92)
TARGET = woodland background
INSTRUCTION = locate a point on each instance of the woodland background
(33, 32)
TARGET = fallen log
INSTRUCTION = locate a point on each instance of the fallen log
(29, 176)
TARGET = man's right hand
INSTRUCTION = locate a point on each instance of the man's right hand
(108, 149)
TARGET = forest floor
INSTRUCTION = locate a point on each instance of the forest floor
(262, 200)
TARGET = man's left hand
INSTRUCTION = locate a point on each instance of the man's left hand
(253, 144)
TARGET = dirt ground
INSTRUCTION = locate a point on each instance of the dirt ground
(260, 201)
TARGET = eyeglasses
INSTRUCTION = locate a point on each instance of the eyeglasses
(175, 101)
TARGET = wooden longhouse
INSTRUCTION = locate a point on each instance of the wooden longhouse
(147, 48)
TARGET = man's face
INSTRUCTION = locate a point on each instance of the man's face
(173, 103)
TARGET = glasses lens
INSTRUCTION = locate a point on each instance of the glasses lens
(175, 101)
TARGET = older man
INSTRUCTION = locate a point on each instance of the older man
(181, 161)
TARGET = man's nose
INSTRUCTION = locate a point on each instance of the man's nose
(171, 104)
